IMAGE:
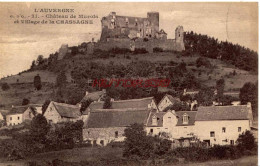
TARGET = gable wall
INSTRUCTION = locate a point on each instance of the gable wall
(51, 114)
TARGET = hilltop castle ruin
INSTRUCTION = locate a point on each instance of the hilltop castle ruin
(137, 32)
(126, 32)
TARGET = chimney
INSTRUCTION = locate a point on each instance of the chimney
(248, 104)
(250, 114)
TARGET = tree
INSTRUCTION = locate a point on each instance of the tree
(220, 85)
(39, 129)
(85, 104)
(246, 141)
(25, 101)
(33, 65)
(5, 86)
(248, 93)
(37, 82)
(107, 103)
(61, 79)
(178, 107)
(45, 106)
(39, 60)
(205, 96)
(137, 143)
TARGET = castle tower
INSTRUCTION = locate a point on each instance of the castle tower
(153, 18)
(179, 38)
(179, 34)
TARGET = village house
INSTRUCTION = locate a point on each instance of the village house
(20, 114)
(222, 125)
(166, 101)
(108, 125)
(176, 125)
(61, 112)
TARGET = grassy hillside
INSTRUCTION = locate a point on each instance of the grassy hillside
(22, 84)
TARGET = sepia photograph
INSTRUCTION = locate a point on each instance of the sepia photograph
(129, 83)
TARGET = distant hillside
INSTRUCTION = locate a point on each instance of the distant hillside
(204, 62)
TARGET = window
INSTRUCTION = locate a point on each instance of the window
(154, 121)
(151, 130)
(102, 142)
(18, 118)
(232, 142)
(223, 129)
(185, 118)
(30, 114)
(212, 134)
(169, 119)
(116, 134)
(10, 118)
(239, 129)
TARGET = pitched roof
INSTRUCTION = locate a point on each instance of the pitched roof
(4, 112)
(67, 110)
(191, 117)
(21, 109)
(240, 112)
(120, 104)
(93, 96)
(159, 116)
(171, 98)
(116, 118)
(17, 110)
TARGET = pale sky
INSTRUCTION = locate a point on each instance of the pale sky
(20, 44)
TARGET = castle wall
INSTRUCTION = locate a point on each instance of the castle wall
(166, 45)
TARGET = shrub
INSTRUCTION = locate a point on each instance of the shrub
(140, 51)
(116, 144)
(157, 49)
(25, 101)
(203, 62)
(5, 86)
(246, 141)
(118, 50)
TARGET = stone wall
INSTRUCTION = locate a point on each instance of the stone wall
(103, 134)
(166, 45)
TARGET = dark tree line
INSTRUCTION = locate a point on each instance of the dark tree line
(234, 54)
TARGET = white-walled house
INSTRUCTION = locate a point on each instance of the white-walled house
(176, 124)
(222, 125)
(61, 112)
(14, 118)
(19, 114)
(166, 101)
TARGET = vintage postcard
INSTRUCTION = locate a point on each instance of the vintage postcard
(128, 83)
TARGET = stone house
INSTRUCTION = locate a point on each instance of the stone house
(107, 125)
(222, 125)
(166, 101)
(61, 112)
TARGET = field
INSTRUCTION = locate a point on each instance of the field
(88, 154)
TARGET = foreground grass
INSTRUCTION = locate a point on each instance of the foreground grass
(93, 154)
